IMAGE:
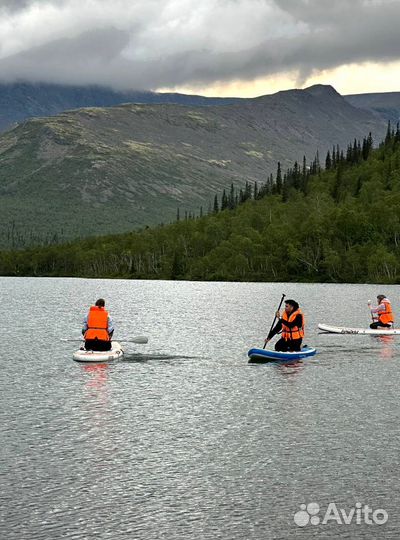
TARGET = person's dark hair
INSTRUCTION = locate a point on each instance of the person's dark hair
(381, 296)
(292, 303)
(100, 302)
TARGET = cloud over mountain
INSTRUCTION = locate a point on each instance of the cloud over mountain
(161, 43)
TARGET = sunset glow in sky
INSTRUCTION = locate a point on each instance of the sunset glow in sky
(349, 79)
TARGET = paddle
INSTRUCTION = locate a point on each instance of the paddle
(273, 322)
(374, 319)
(137, 339)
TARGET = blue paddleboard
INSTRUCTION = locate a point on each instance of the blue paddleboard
(257, 356)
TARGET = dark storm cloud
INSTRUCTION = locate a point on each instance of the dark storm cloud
(15, 5)
(129, 44)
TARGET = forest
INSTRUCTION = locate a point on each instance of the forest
(336, 221)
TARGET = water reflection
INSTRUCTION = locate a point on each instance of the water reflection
(291, 369)
(388, 346)
(95, 386)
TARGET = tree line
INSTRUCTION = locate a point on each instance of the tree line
(339, 223)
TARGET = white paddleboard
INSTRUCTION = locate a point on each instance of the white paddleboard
(370, 331)
(115, 353)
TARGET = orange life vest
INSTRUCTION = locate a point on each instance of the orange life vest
(386, 317)
(97, 324)
(294, 332)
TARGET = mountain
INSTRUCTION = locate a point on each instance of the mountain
(385, 104)
(19, 101)
(22, 100)
(106, 170)
(340, 225)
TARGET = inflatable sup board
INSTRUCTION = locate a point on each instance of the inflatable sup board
(99, 356)
(370, 331)
(260, 356)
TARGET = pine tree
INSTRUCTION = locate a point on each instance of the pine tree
(397, 134)
(370, 142)
(247, 191)
(296, 175)
(328, 161)
(216, 206)
(304, 176)
(224, 201)
(231, 198)
(355, 152)
(285, 188)
(337, 184)
(349, 154)
(279, 178)
(388, 133)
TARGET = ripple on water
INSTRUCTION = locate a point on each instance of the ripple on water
(182, 438)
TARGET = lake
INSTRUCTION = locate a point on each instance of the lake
(182, 439)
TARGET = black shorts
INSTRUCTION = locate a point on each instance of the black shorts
(97, 345)
(289, 345)
(377, 325)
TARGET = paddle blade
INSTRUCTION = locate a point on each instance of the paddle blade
(137, 339)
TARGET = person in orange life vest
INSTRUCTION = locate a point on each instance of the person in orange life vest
(291, 324)
(98, 328)
(382, 314)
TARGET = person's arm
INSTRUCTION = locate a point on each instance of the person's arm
(85, 325)
(377, 309)
(110, 327)
(277, 328)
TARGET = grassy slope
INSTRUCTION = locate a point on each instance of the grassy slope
(94, 171)
(347, 228)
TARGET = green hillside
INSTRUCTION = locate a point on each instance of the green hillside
(109, 170)
(341, 224)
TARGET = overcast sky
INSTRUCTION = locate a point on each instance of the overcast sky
(236, 47)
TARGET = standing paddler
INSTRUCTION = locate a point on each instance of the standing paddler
(382, 314)
(291, 324)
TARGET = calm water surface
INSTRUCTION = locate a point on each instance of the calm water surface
(183, 439)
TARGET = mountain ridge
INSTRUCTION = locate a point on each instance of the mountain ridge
(97, 170)
(22, 100)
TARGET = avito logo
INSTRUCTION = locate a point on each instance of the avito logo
(310, 514)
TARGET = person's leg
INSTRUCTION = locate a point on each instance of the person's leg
(101, 345)
(97, 345)
(294, 345)
(89, 344)
(281, 345)
(106, 345)
(377, 325)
